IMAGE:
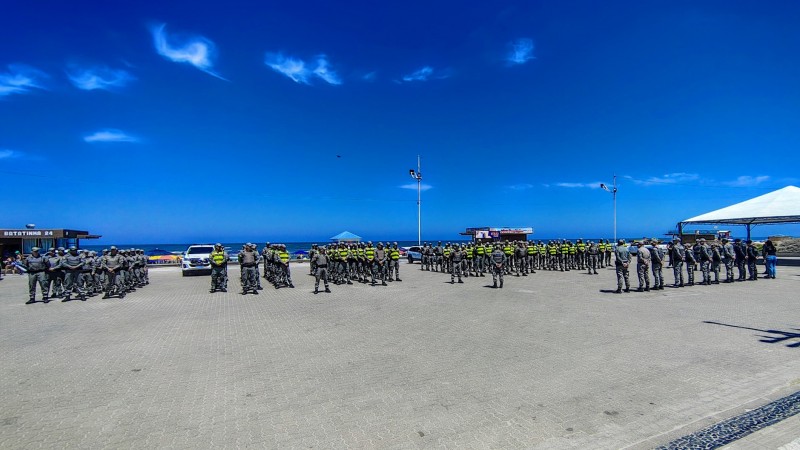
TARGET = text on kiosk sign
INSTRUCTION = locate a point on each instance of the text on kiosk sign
(27, 233)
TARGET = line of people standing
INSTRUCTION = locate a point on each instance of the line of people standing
(709, 257)
(64, 273)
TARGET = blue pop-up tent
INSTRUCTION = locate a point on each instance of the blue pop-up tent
(346, 236)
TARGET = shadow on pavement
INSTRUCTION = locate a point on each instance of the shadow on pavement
(777, 335)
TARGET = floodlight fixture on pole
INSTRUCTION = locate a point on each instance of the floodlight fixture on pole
(417, 175)
(614, 192)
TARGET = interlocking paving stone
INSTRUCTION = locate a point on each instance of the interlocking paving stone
(740, 426)
(551, 361)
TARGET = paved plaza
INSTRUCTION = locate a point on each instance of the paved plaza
(554, 360)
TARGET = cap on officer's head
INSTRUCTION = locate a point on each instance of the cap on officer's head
(35, 249)
(113, 247)
(72, 247)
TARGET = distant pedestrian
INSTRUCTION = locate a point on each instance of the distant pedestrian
(771, 258)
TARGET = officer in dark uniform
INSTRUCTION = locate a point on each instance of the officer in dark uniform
(691, 263)
(72, 264)
(593, 252)
(740, 250)
(728, 258)
(498, 261)
(657, 261)
(677, 257)
(752, 258)
(456, 257)
(248, 260)
(379, 264)
(622, 261)
(321, 262)
(36, 267)
(55, 275)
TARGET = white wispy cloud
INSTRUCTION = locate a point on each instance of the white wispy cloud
(521, 51)
(110, 135)
(8, 154)
(20, 79)
(196, 50)
(747, 181)
(371, 76)
(98, 77)
(299, 71)
(293, 68)
(669, 178)
(521, 186)
(422, 187)
(595, 185)
(422, 74)
(323, 71)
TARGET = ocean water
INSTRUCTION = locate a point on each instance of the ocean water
(233, 247)
(291, 247)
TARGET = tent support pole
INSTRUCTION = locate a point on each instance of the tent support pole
(748, 231)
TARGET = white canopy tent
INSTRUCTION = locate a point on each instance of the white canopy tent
(781, 206)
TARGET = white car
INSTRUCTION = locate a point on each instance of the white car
(195, 259)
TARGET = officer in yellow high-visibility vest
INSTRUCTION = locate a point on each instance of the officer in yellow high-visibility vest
(531, 252)
(394, 262)
(283, 260)
(480, 254)
(581, 254)
(508, 250)
(369, 258)
(219, 269)
(343, 267)
(469, 251)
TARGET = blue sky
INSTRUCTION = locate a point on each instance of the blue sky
(180, 121)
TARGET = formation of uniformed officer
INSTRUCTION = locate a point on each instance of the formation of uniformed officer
(276, 265)
(83, 273)
(707, 257)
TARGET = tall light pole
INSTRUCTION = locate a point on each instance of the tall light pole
(418, 176)
(614, 192)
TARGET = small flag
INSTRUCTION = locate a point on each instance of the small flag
(604, 187)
